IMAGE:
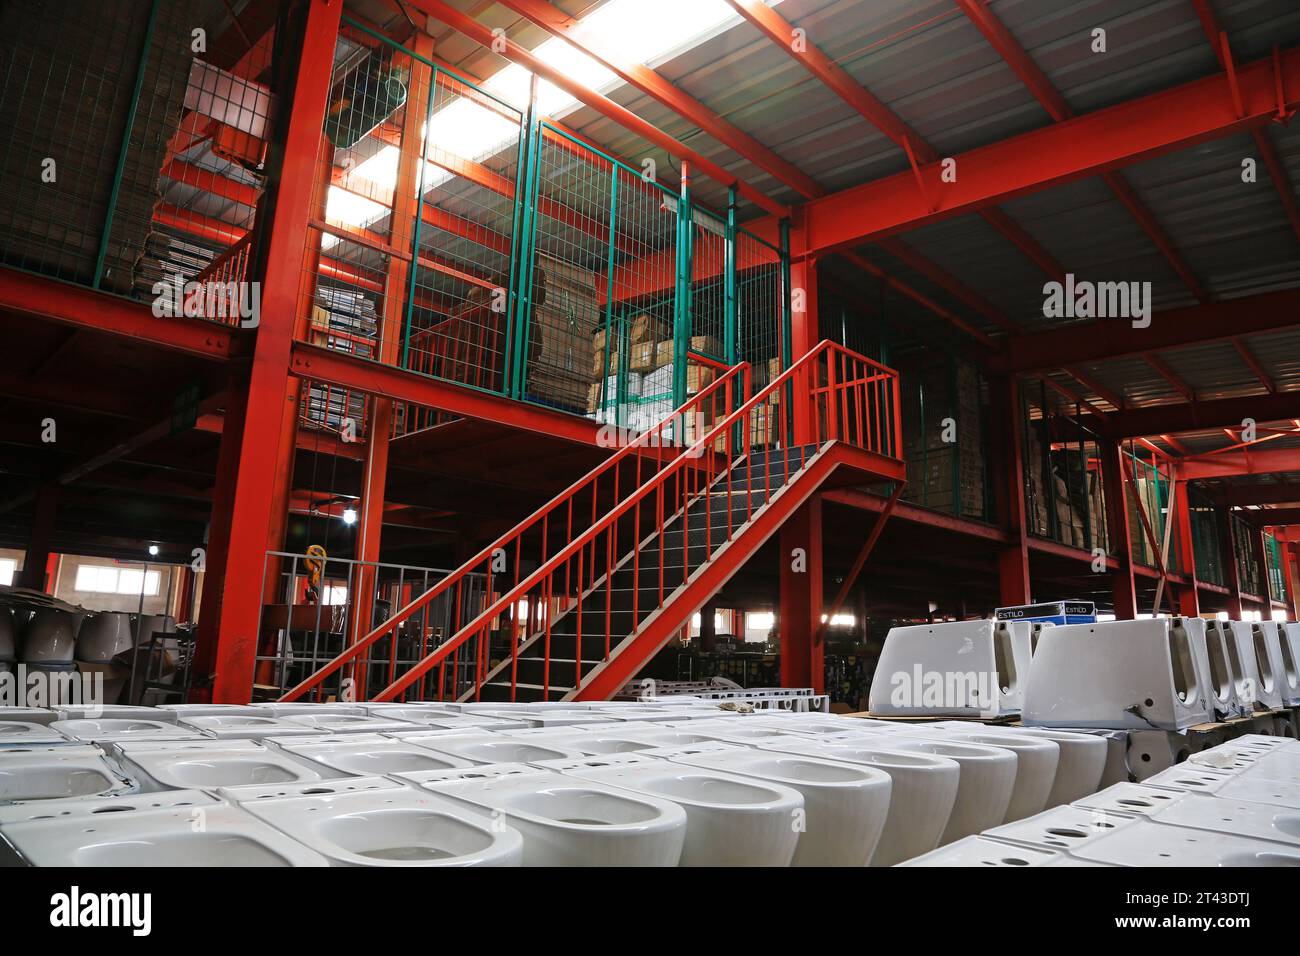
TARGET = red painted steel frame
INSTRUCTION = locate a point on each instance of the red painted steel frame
(1014, 585)
(1117, 526)
(234, 601)
(800, 619)
(471, 28)
(1087, 145)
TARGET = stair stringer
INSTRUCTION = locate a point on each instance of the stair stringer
(607, 678)
(596, 585)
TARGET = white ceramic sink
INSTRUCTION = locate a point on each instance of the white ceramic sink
(22, 733)
(732, 820)
(207, 767)
(484, 748)
(1145, 843)
(115, 711)
(1062, 829)
(924, 791)
(162, 837)
(845, 804)
(983, 852)
(54, 772)
(245, 726)
(111, 729)
(365, 755)
(386, 824)
(350, 723)
(179, 711)
(566, 821)
(289, 708)
(1259, 821)
(1134, 799)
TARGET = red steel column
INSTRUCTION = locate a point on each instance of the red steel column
(1117, 528)
(36, 561)
(803, 336)
(233, 602)
(1189, 603)
(802, 651)
(1009, 483)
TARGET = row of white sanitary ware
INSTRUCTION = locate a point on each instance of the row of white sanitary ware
(58, 637)
(1166, 673)
(636, 785)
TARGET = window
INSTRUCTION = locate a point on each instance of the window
(99, 579)
(8, 568)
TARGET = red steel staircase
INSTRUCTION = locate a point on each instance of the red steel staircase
(581, 594)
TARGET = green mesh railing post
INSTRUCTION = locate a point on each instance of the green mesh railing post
(521, 218)
(419, 218)
(682, 307)
(523, 295)
(125, 149)
(609, 292)
(732, 305)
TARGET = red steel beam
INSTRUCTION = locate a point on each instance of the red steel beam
(1170, 376)
(212, 182)
(1243, 462)
(1267, 151)
(1253, 364)
(780, 32)
(1087, 145)
(1018, 58)
(309, 361)
(559, 24)
(476, 31)
(1167, 420)
(1274, 493)
(73, 305)
(1116, 338)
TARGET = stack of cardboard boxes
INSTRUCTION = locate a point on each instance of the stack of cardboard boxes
(636, 389)
(945, 461)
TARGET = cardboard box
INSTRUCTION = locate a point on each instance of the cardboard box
(648, 328)
(706, 345)
(598, 343)
(664, 353)
(642, 357)
(598, 364)
(699, 377)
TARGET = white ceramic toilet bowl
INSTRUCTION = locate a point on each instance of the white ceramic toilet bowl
(1257, 685)
(732, 820)
(1080, 767)
(167, 836)
(50, 637)
(845, 804)
(988, 779)
(374, 821)
(97, 805)
(566, 821)
(209, 764)
(8, 636)
(1125, 675)
(32, 715)
(115, 711)
(959, 668)
(1284, 661)
(49, 773)
(364, 755)
(1037, 760)
(103, 636)
(924, 791)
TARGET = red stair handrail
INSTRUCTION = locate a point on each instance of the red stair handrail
(836, 425)
(653, 439)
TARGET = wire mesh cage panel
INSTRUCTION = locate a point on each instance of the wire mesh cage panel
(100, 183)
(760, 306)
